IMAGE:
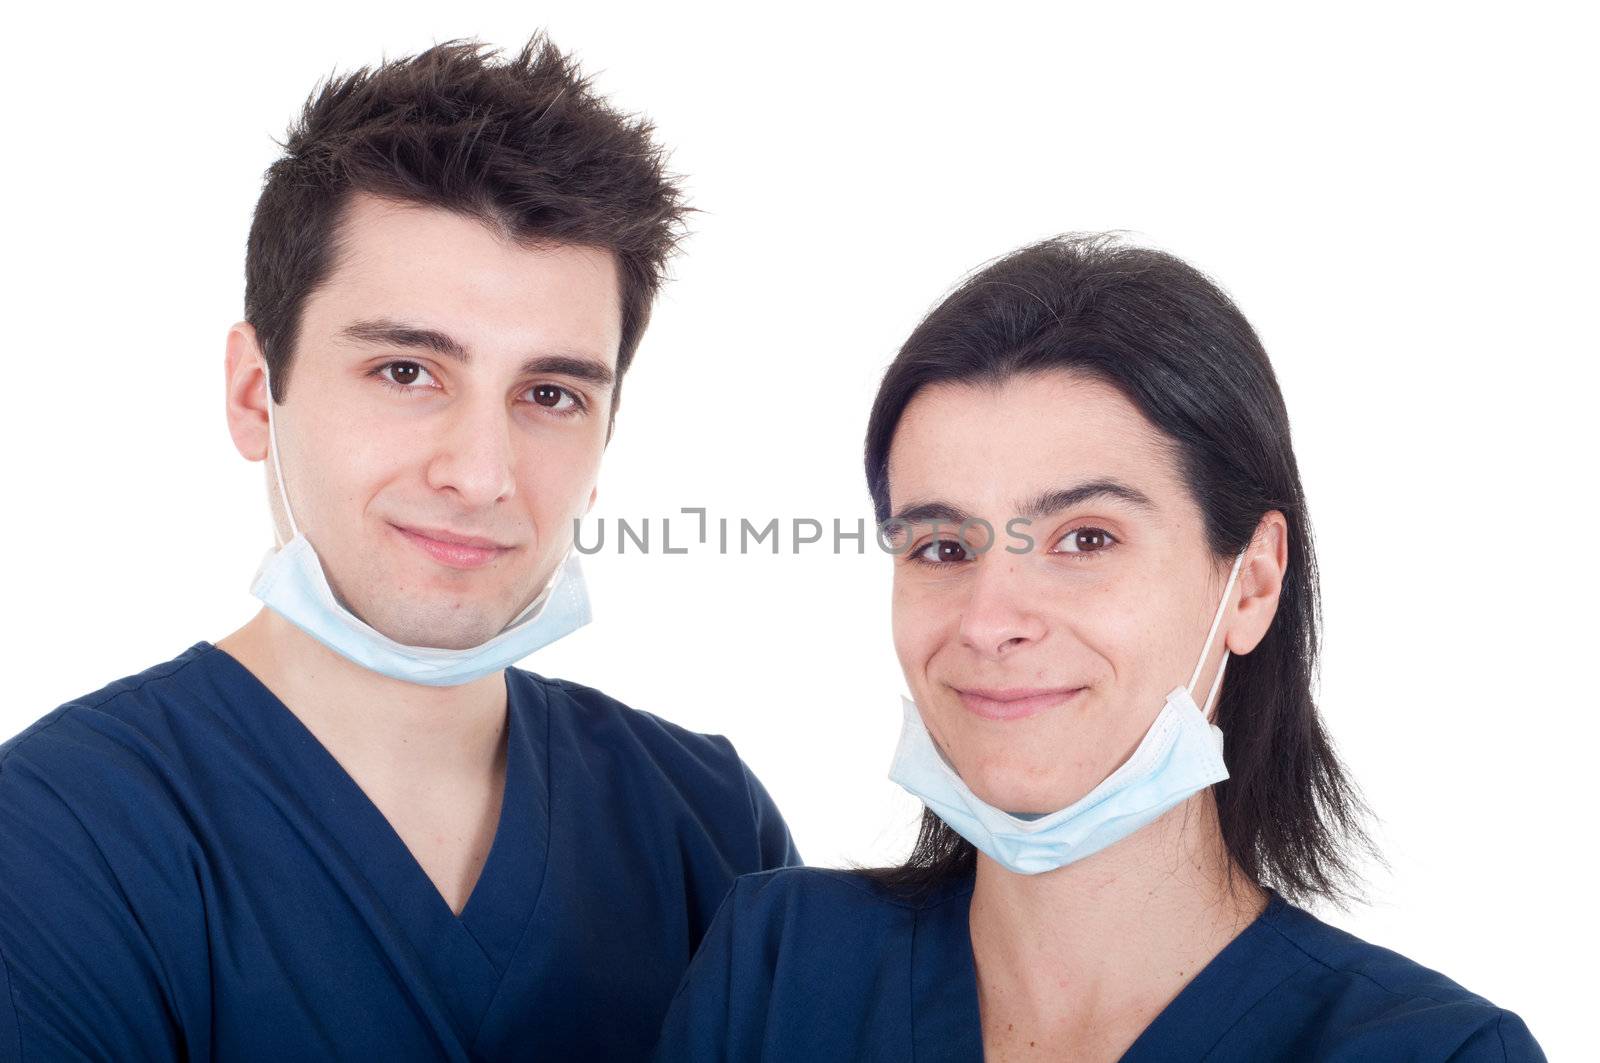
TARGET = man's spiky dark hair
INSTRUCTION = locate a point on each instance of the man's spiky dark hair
(522, 144)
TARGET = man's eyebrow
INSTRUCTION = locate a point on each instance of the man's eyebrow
(1049, 502)
(589, 370)
(381, 331)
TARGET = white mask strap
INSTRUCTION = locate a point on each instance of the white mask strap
(277, 465)
(1215, 686)
(1216, 621)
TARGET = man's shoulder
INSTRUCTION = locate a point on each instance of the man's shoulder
(632, 754)
(117, 731)
(96, 801)
(101, 890)
(604, 719)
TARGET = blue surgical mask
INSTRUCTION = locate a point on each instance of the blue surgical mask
(1180, 755)
(292, 583)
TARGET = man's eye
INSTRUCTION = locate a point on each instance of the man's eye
(402, 375)
(555, 398)
(1089, 541)
(942, 552)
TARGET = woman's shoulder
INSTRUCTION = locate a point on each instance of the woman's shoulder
(812, 963)
(1376, 993)
(819, 892)
(796, 912)
(1351, 958)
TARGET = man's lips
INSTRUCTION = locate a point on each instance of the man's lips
(1014, 703)
(450, 548)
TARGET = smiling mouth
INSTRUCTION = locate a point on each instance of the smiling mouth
(1014, 703)
(459, 552)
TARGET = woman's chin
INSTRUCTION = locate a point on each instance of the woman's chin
(1016, 789)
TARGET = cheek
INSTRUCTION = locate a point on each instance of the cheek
(926, 620)
(1136, 639)
(915, 627)
(555, 472)
(372, 452)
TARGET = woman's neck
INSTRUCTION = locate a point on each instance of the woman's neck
(1076, 962)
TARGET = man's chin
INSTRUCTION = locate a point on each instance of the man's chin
(456, 633)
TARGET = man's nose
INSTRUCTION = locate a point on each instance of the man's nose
(474, 456)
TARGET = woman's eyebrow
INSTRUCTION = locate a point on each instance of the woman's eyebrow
(1055, 501)
(931, 512)
(1039, 506)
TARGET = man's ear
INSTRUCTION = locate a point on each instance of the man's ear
(245, 395)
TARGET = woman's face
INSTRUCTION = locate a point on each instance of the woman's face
(1039, 667)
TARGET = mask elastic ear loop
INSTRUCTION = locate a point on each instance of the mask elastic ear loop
(277, 465)
(1216, 621)
(1215, 686)
(544, 595)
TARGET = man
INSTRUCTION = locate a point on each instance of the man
(349, 829)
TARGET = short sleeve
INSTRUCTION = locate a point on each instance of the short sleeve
(10, 1036)
(1504, 1039)
(772, 833)
(701, 1024)
(82, 977)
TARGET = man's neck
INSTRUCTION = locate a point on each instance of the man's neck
(432, 760)
(378, 728)
(1084, 957)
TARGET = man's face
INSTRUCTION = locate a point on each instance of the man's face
(446, 383)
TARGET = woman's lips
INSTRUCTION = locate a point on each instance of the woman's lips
(1014, 703)
(453, 555)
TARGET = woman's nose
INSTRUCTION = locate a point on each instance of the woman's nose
(999, 616)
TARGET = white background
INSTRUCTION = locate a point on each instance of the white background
(1400, 198)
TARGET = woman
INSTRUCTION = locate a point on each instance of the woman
(1083, 462)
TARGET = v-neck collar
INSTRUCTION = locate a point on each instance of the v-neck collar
(467, 955)
(944, 983)
(1253, 964)
(944, 979)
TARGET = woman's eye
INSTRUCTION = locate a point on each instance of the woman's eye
(943, 551)
(554, 398)
(1087, 541)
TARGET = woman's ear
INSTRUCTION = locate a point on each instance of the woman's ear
(1260, 584)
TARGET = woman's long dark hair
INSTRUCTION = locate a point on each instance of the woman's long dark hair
(1175, 346)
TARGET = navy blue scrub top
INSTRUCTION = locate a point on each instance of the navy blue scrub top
(808, 964)
(185, 872)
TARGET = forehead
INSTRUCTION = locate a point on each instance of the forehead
(987, 444)
(439, 269)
